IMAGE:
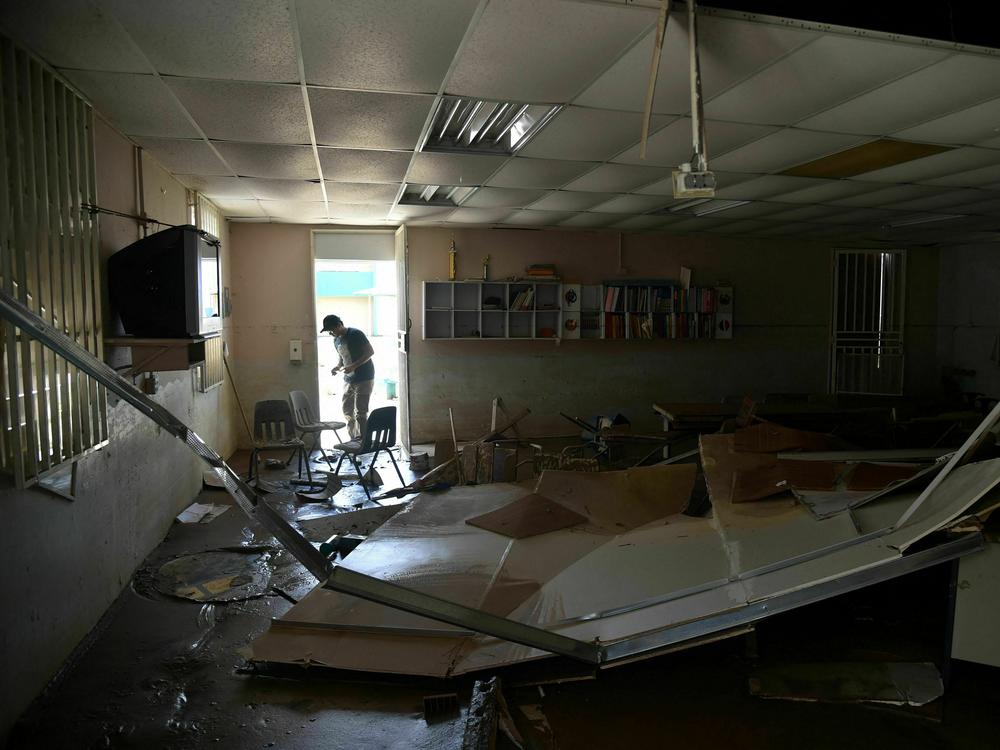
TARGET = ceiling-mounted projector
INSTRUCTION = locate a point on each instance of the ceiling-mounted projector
(688, 184)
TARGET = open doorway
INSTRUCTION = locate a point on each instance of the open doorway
(362, 291)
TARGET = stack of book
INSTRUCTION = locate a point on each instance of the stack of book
(524, 300)
(541, 271)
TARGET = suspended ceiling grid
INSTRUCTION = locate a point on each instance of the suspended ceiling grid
(312, 111)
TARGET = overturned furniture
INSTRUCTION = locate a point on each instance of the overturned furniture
(635, 578)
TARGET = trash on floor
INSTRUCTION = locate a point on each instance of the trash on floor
(202, 512)
(892, 683)
(220, 575)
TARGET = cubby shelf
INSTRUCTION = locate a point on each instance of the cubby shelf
(547, 311)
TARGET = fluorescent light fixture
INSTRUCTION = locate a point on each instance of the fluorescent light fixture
(484, 127)
(718, 206)
(685, 205)
(435, 195)
(923, 219)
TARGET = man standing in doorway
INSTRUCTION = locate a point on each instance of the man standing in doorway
(355, 354)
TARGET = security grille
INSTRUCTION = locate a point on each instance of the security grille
(210, 374)
(868, 299)
(51, 412)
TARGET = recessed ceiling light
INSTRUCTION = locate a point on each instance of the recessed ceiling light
(923, 219)
(867, 157)
(699, 207)
(477, 126)
(434, 195)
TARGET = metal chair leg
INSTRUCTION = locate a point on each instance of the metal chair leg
(361, 478)
(396, 467)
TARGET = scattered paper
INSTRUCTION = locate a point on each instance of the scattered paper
(202, 512)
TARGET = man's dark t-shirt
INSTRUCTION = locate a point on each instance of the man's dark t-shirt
(352, 346)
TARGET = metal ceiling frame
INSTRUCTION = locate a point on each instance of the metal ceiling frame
(345, 580)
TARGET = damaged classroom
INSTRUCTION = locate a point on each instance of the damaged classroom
(521, 374)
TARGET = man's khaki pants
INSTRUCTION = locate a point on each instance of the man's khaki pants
(355, 401)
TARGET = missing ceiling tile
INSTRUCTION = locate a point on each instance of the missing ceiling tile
(868, 157)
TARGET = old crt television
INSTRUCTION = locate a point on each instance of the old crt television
(167, 285)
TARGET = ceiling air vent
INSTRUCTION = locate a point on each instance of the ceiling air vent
(482, 127)
(434, 195)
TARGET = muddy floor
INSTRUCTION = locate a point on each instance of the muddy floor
(168, 670)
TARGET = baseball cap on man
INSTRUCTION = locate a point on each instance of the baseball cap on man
(330, 322)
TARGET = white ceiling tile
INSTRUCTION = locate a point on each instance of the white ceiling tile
(752, 209)
(817, 76)
(730, 50)
(480, 215)
(782, 228)
(402, 212)
(808, 213)
(641, 223)
(946, 198)
(885, 195)
(982, 177)
(239, 207)
(361, 119)
(283, 190)
(236, 111)
(877, 216)
(695, 224)
(617, 178)
(588, 134)
(452, 169)
(826, 191)
(672, 145)
(978, 123)
(71, 34)
(592, 221)
(745, 226)
(362, 165)
(722, 179)
(183, 156)
(491, 197)
(217, 186)
(537, 218)
(538, 173)
(760, 188)
(298, 210)
(359, 212)
(530, 51)
(632, 204)
(135, 104)
(938, 165)
(381, 45)
(782, 150)
(565, 200)
(262, 160)
(988, 205)
(956, 82)
(361, 192)
(250, 40)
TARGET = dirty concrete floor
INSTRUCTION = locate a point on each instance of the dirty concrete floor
(164, 672)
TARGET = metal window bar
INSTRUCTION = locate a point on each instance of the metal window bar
(210, 373)
(867, 337)
(51, 413)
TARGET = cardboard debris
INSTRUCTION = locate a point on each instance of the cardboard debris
(888, 683)
(621, 500)
(527, 516)
(877, 476)
(768, 437)
(784, 476)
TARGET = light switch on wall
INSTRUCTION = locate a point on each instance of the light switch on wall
(295, 350)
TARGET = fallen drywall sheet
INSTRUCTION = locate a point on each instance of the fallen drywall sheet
(530, 515)
(625, 631)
